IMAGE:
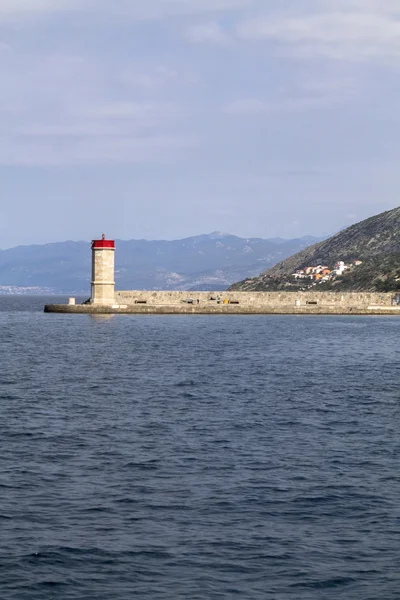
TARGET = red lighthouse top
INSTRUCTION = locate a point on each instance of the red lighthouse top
(103, 243)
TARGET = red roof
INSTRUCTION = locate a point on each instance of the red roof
(103, 243)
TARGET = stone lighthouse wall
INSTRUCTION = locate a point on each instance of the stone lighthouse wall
(102, 284)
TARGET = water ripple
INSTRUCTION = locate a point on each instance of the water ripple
(190, 457)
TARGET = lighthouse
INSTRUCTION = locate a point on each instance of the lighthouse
(102, 283)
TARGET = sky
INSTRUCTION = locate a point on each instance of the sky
(162, 119)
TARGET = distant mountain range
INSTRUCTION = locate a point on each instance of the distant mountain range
(203, 262)
(373, 245)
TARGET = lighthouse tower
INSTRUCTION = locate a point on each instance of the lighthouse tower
(102, 284)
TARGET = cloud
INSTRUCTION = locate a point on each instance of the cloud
(358, 30)
(69, 110)
(162, 8)
(18, 8)
(57, 150)
(211, 33)
(112, 110)
(152, 78)
(356, 35)
(303, 94)
(94, 101)
(248, 106)
(135, 9)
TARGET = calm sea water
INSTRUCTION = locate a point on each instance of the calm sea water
(198, 457)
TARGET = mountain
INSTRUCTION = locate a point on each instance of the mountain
(212, 261)
(375, 243)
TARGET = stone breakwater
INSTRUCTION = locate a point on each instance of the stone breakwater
(145, 302)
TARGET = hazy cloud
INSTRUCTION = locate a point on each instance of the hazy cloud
(136, 9)
(248, 106)
(217, 114)
(302, 95)
(64, 109)
(371, 32)
(208, 32)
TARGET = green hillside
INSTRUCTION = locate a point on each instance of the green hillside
(374, 242)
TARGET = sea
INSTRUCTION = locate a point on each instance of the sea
(198, 457)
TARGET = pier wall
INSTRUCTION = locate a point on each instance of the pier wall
(255, 300)
(243, 303)
(219, 309)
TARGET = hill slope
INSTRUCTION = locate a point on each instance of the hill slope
(375, 242)
(211, 261)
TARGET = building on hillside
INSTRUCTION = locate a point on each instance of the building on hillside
(299, 274)
(340, 267)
